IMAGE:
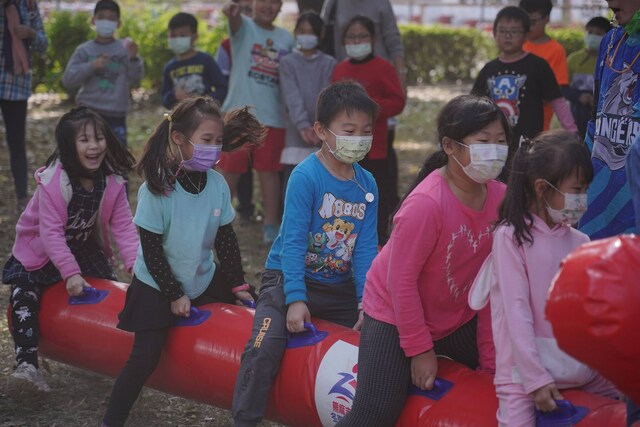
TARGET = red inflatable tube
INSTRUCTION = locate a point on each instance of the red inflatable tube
(316, 382)
(594, 307)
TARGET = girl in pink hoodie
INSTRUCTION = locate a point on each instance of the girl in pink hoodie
(546, 195)
(64, 232)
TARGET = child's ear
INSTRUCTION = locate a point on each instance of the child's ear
(540, 186)
(320, 131)
(447, 145)
(119, 23)
(194, 37)
(177, 137)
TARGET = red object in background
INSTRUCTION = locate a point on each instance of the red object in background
(315, 385)
(594, 307)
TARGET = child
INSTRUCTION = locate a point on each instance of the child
(416, 291)
(520, 82)
(381, 81)
(540, 44)
(329, 232)
(244, 192)
(64, 233)
(190, 71)
(303, 74)
(257, 48)
(105, 69)
(184, 210)
(582, 64)
(533, 236)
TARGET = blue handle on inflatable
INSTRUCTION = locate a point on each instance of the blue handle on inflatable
(440, 388)
(89, 295)
(565, 416)
(305, 338)
(249, 303)
(196, 317)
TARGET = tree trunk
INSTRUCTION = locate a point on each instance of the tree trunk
(314, 5)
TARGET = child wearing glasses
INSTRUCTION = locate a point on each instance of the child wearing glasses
(520, 82)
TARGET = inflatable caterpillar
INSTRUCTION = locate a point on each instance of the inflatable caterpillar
(318, 375)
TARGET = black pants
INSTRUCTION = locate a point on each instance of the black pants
(260, 363)
(25, 308)
(384, 372)
(14, 114)
(144, 357)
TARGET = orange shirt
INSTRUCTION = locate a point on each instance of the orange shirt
(555, 55)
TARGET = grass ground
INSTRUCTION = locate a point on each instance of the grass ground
(78, 397)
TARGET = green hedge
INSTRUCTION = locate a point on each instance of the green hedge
(148, 28)
(436, 53)
(433, 53)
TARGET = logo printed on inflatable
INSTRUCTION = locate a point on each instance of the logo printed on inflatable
(336, 382)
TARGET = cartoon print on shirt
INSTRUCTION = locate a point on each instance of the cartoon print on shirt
(265, 63)
(505, 91)
(109, 75)
(463, 236)
(330, 251)
(618, 124)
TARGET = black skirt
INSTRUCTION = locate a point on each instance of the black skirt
(146, 308)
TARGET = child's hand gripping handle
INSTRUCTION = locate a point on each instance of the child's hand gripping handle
(196, 317)
(567, 414)
(309, 337)
(89, 295)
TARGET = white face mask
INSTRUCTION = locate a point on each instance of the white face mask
(179, 45)
(358, 51)
(351, 149)
(592, 41)
(486, 161)
(307, 41)
(106, 27)
(575, 205)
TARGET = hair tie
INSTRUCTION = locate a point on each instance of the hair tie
(168, 117)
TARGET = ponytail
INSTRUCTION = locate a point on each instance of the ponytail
(154, 166)
(514, 208)
(240, 128)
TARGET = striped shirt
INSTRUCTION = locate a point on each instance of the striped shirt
(18, 88)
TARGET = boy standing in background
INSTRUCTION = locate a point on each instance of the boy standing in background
(190, 71)
(582, 64)
(104, 70)
(257, 47)
(540, 44)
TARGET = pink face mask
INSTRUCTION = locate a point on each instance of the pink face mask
(204, 157)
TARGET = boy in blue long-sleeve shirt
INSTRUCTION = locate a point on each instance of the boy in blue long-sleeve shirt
(327, 241)
(190, 71)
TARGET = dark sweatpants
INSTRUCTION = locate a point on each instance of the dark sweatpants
(260, 363)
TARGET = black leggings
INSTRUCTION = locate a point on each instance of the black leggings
(145, 355)
(14, 114)
(384, 372)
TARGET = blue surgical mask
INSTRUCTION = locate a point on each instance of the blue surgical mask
(592, 41)
(358, 51)
(307, 41)
(106, 27)
(179, 45)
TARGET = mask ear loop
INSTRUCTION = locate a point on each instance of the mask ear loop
(168, 117)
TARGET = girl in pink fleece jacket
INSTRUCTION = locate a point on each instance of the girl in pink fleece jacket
(415, 296)
(63, 234)
(546, 194)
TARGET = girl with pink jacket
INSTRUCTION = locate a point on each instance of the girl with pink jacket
(64, 232)
(546, 195)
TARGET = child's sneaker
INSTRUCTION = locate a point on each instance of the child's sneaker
(27, 378)
(269, 233)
